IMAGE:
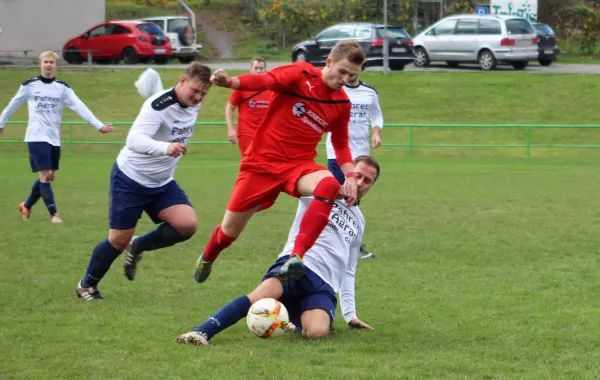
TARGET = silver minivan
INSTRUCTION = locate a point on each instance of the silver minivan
(488, 40)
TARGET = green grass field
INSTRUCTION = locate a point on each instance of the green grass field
(486, 262)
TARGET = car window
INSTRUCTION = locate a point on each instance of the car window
(393, 33)
(329, 34)
(544, 29)
(445, 27)
(98, 32)
(119, 29)
(466, 26)
(346, 32)
(175, 24)
(160, 23)
(518, 26)
(489, 26)
(150, 28)
(362, 33)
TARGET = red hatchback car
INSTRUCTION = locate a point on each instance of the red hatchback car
(131, 41)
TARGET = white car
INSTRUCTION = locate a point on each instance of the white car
(182, 34)
(488, 40)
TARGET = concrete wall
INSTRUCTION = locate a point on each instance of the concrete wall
(41, 25)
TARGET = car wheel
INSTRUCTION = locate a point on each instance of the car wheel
(73, 57)
(545, 62)
(487, 61)
(421, 57)
(300, 56)
(130, 56)
(452, 64)
(519, 65)
(186, 59)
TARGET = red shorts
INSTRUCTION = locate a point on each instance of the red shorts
(260, 183)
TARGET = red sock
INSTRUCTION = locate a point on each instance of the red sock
(317, 215)
(217, 243)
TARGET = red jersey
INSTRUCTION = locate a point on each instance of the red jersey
(252, 106)
(301, 110)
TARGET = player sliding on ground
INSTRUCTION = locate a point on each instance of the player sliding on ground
(307, 103)
(330, 268)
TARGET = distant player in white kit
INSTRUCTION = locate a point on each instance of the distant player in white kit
(365, 111)
(330, 268)
(46, 97)
(142, 180)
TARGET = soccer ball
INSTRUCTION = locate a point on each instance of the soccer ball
(267, 318)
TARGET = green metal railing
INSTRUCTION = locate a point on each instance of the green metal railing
(411, 145)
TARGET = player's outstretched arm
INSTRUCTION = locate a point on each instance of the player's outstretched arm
(376, 117)
(347, 292)
(340, 142)
(12, 107)
(73, 102)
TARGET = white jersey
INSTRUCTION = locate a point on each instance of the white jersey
(161, 121)
(46, 99)
(335, 254)
(365, 110)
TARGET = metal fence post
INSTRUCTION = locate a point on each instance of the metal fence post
(410, 140)
(70, 138)
(528, 141)
(24, 59)
(89, 60)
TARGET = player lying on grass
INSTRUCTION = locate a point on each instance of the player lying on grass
(142, 180)
(307, 103)
(46, 96)
(330, 268)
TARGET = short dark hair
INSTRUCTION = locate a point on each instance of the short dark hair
(369, 161)
(258, 59)
(348, 49)
(198, 71)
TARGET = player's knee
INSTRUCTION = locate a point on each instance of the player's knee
(189, 229)
(327, 188)
(315, 332)
(119, 240)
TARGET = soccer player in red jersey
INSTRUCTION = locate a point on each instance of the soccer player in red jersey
(307, 103)
(252, 106)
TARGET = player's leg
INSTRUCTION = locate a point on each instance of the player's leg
(316, 323)
(44, 158)
(252, 192)
(318, 307)
(335, 169)
(232, 313)
(325, 189)
(178, 222)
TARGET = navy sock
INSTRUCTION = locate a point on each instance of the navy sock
(103, 256)
(48, 197)
(229, 315)
(163, 236)
(34, 196)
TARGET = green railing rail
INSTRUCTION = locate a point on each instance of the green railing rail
(410, 144)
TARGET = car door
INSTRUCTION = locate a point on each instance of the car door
(97, 39)
(464, 41)
(118, 40)
(438, 41)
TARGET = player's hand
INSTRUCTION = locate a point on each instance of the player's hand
(176, 149)
(350, 191)
(358, 324)
(375, 140)
(107, 128)
(232, 136)
(220, 78)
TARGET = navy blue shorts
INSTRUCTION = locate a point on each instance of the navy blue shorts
(337, 172)
(43, 156)
(128, 200)
(308, 293)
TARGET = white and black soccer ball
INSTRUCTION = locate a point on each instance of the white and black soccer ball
(267, 318)
(298, 109)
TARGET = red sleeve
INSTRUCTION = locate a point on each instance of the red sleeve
(277, 79)
(339, 138)
(235, 98)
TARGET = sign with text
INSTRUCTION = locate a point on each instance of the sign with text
(527, 9)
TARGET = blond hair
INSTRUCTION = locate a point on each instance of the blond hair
(49, 54)
(348, 49)
(198, 71)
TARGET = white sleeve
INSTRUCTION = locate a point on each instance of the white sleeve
(15, 103)
(347, 295)
(375, 113)
(140, 138)
(74, 103)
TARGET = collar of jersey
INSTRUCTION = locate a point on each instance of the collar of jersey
(357, 86)
(176, 98)
(46, 80)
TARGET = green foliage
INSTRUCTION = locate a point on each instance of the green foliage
(580, 24)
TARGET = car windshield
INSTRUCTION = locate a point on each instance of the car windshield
(393, 33)
(518, 26)
(177, 23)
(544, 29)
(150, 28)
